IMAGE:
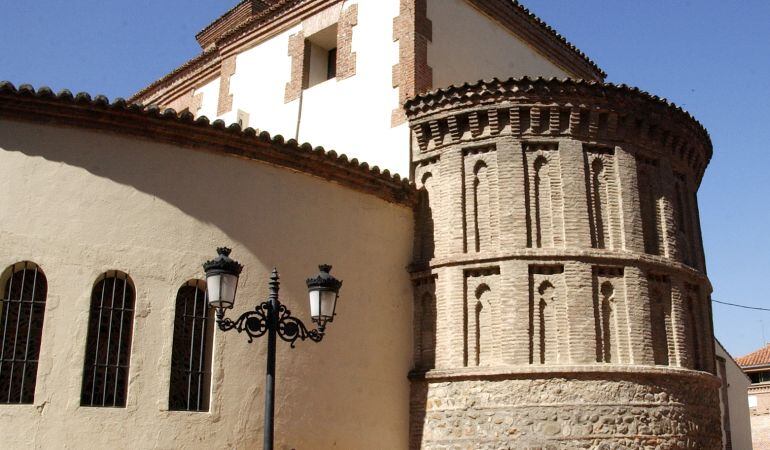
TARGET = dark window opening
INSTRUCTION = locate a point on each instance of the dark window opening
(191, 350)
(759, 377)
(22, 308)
(331, 64)
(108, 345)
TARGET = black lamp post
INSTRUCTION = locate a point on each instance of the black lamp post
(270, 317)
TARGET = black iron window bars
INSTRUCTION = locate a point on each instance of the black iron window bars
(191, 350)
(108, 345)
(22, 308)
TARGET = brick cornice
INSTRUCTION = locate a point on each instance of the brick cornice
(275, 19)
(592, 110)
(166, 126)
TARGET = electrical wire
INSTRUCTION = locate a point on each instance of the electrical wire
(740, 306)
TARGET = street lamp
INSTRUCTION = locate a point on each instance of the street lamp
(270, 317)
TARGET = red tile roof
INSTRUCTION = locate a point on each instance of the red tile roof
(760, 357)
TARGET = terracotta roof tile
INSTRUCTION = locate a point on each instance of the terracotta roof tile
(760, 357)
(83, 110)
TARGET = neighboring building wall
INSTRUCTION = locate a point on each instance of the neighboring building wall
(552, 326)
(759, 407)
(468, 46)
(733, 402)
(760, 431)
(85, 201)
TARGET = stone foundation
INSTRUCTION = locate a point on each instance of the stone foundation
(645, 409)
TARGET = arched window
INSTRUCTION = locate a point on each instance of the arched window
(108, 346)
(22, 308)
(191, 351)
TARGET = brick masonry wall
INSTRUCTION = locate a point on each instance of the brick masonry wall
(760, 431)
(412, 75)
(582, 411)
(188, 101)
(300, 66)
(346, 57)
(553, 237)
(227, 70)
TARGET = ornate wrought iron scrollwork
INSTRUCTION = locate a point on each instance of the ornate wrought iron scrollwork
(255, 324)
(290, 328)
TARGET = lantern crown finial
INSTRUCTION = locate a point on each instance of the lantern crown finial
(324, 279)
(223, 263)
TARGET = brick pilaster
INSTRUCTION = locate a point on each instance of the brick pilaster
(577, 228)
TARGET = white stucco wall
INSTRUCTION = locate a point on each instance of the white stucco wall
(737, 387)
(468, 46)
(351, 116)
(85, 202)
(209, 99)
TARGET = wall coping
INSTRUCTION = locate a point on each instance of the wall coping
(567, 371)
(167, 126)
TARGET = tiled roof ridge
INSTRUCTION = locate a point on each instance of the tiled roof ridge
(201, 58)
(532, 17)
(437, 98)
(759, 357)
(268, 13)
(404, 187)
(221, 18)
(271, 12)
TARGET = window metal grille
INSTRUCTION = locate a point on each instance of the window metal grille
(108, 346)
(191, 350)
(22, 308)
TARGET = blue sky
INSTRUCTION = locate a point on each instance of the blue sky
(711, 57)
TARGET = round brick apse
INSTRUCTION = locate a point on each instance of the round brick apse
(561, 299)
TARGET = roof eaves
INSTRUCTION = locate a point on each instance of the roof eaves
(83, 110)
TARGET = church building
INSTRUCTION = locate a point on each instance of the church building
(519, 241)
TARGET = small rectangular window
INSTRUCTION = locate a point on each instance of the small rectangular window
(752, 401)
(321, 56)
(331, 64)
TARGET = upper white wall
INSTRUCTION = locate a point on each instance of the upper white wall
(209, 98)
(352, 116)
(468, 46)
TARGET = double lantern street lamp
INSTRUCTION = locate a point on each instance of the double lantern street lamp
(270, 317)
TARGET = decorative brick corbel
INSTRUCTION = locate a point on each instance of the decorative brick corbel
(227, 69)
